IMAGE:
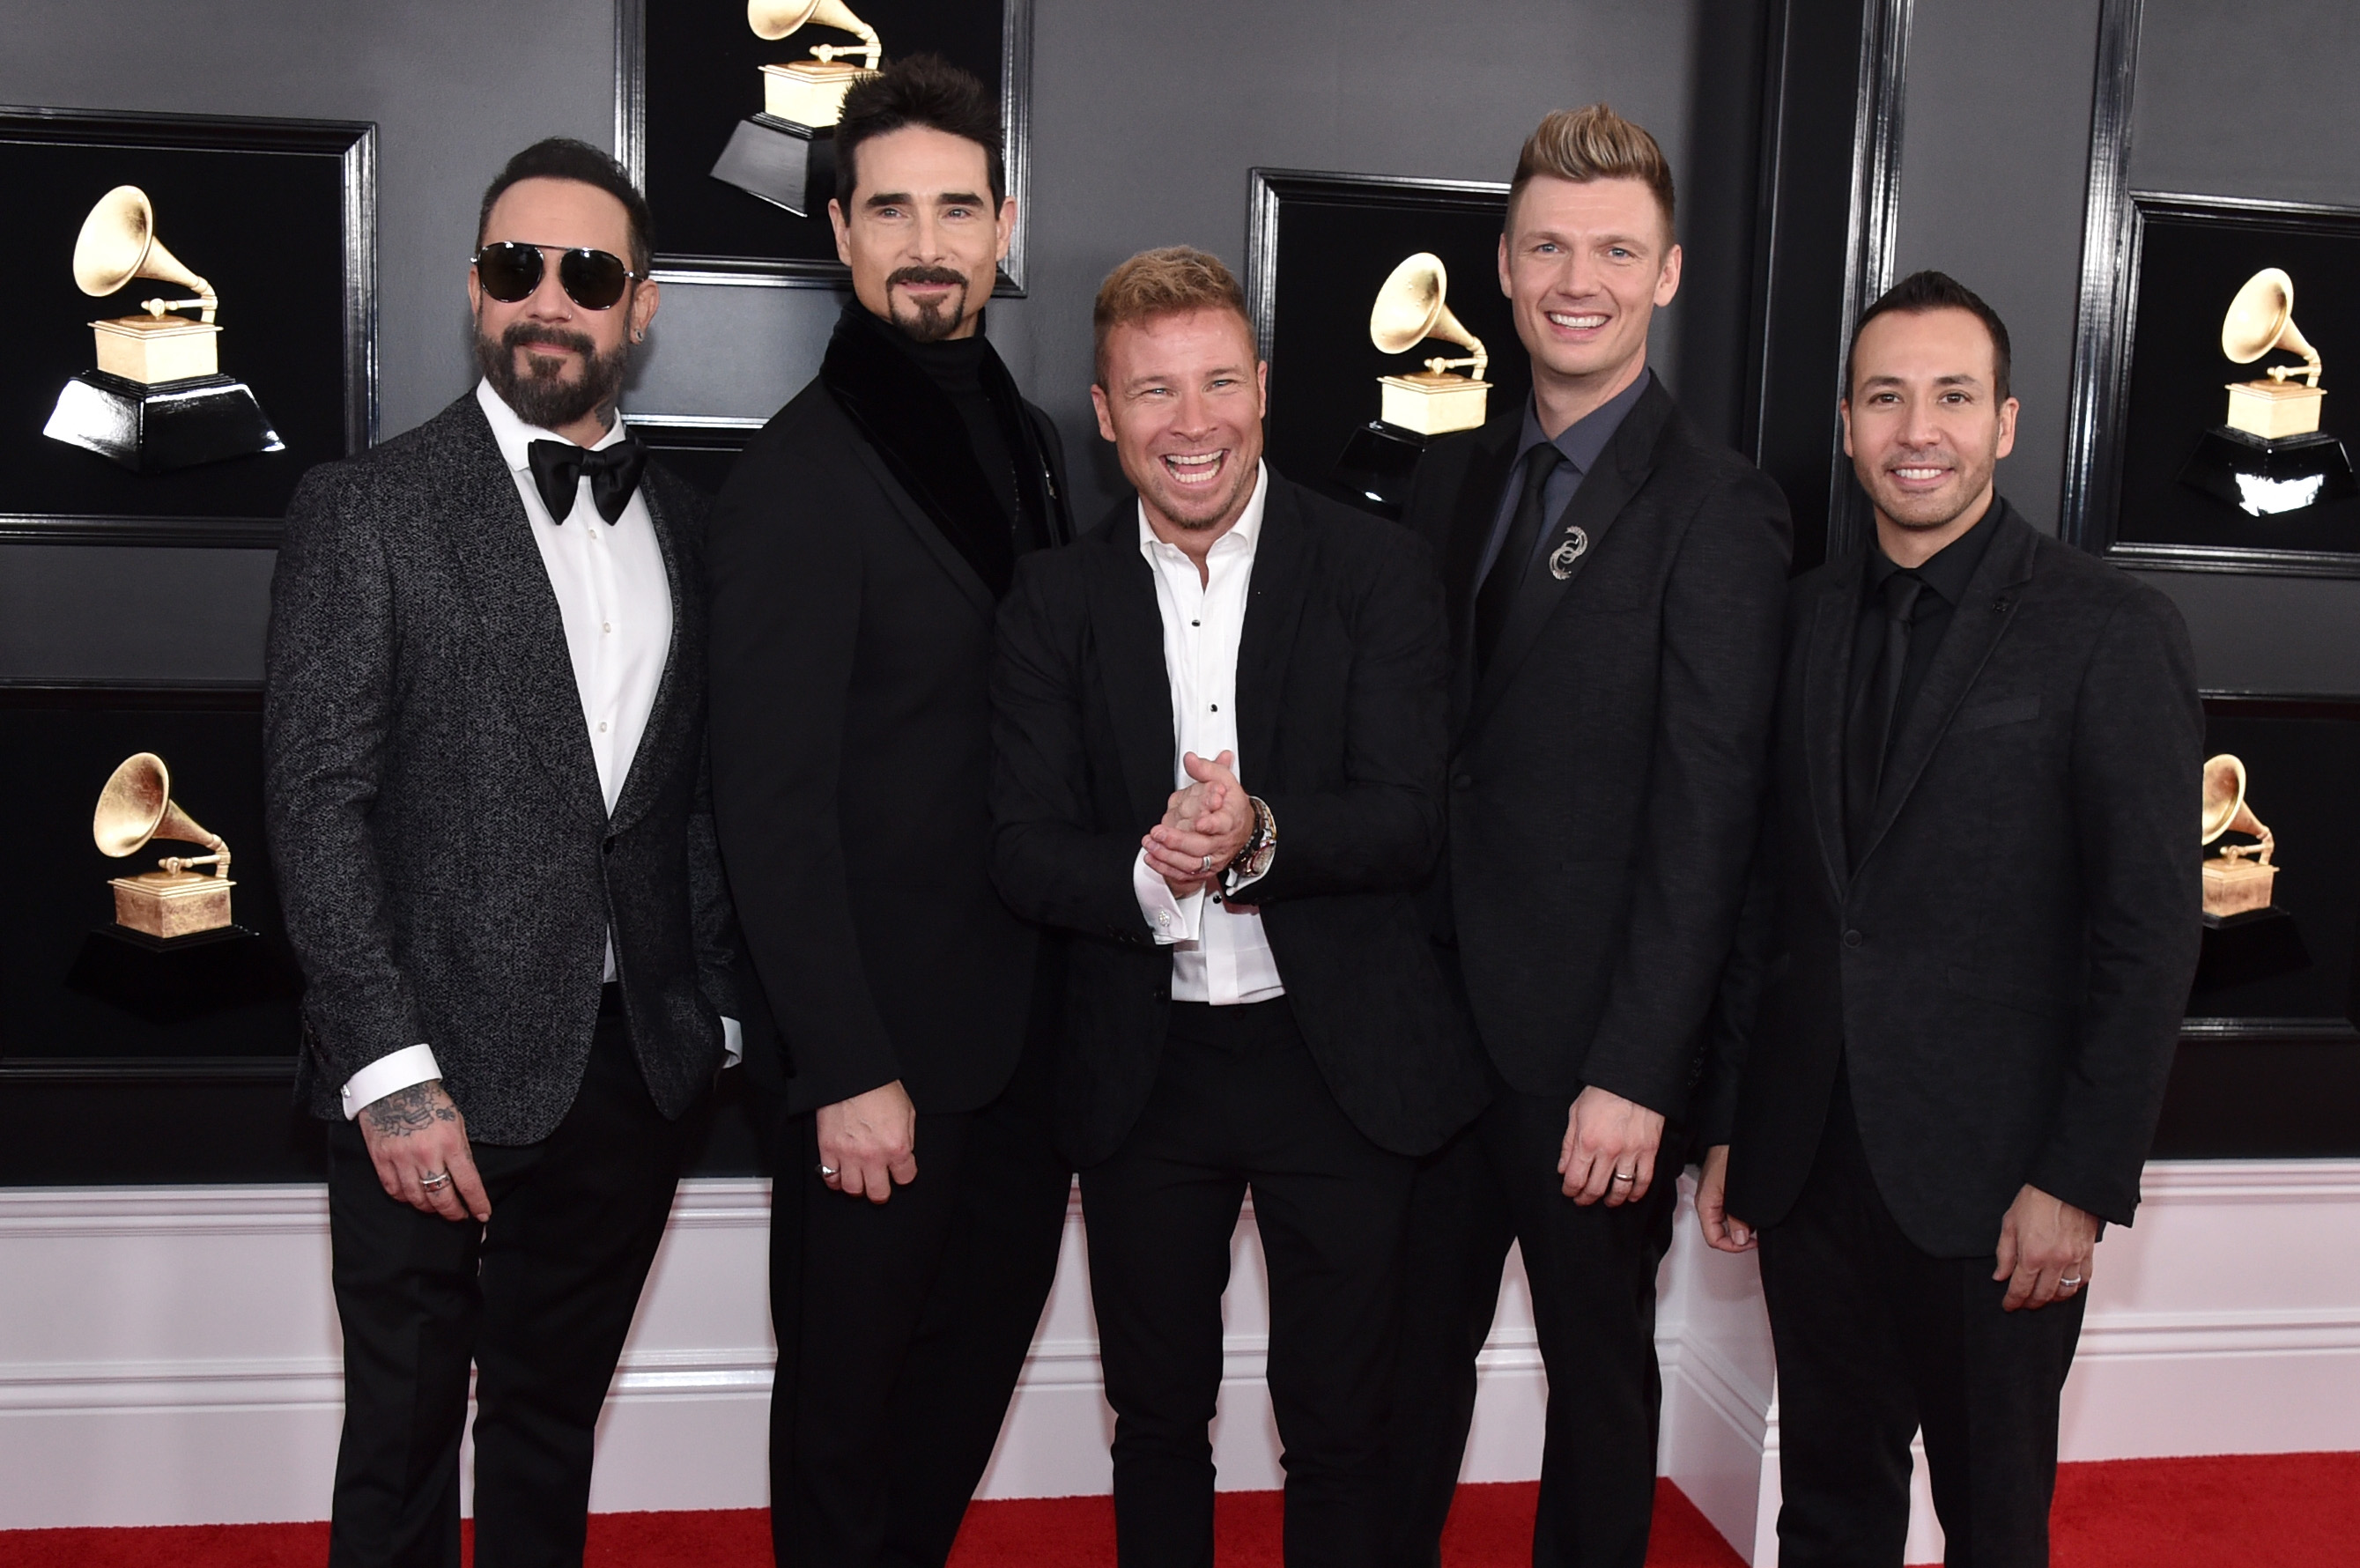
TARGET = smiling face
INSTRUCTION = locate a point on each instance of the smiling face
(1925, 426)
(1182, 398)
(1584, 264)
(559, 365)
(923, 238)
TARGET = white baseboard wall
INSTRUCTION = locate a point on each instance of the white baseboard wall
(170, 1356)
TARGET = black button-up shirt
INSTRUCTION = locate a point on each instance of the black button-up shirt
(1946, 574)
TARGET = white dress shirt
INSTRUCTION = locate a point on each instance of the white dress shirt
(1219, 952)
(613, 596)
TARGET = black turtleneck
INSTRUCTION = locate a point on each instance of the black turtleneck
(955, 365)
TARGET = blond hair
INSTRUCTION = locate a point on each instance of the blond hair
(1171, 280)
(1594, 142)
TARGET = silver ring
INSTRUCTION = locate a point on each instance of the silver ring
(2073, 1284)
(439, 1179)
(826, 1170)
(1208, 865)
(1625, 1176)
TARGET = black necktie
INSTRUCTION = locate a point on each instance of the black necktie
(1870, 735)
(558, 467)
(1498, 594)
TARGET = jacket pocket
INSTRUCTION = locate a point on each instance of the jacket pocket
(1997, 712)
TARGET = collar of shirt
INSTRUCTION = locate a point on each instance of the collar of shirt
(515, 437)
(1582, 442)
(1947, 570)
(1246, 531)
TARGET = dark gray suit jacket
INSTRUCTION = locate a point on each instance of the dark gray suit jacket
(1606, 770)
(447, 863)
(2005, 973)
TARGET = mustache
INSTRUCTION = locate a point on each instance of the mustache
(519, 334)
(942, 274)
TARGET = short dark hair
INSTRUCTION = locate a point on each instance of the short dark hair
(923, 89)
(563, 157)
(1930, 290)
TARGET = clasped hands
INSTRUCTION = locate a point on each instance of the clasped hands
(1204, 828)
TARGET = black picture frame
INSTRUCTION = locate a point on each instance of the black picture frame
(701, 451)
(60, 1022)
(280, 216)
(1318, 246)
(686, 74)
(2142, 407)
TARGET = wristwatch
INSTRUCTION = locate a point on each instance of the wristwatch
(1254, 859)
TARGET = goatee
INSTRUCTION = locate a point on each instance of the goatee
(931, 320)
(539, 396)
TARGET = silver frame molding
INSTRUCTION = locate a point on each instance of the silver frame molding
(1876, 226)
(355, 142)
(758, 272)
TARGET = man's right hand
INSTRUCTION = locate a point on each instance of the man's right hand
(1722, 1232)
(415, 1136)
(870, 1143)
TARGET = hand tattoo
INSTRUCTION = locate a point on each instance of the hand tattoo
(411, 1110)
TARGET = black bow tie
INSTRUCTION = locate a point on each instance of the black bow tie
(558, 467)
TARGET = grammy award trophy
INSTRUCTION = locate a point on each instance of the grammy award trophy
(2269, 456)
(1380, 457)
(786, 154)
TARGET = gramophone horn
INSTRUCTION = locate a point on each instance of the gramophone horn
(119, 243)
(1410, 309)
(2261, 318)
(777, 18)
(136, 805)
(2225, 810)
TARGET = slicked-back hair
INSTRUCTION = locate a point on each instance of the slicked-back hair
(923, 89)
(1174, 280)
(563, 157)
(1594, 142)
(1930, 290)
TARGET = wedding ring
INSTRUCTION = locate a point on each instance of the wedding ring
(826, 1170)
(2073, 1284)
(1208, 865)
(1625, 1176)
(434, 1179)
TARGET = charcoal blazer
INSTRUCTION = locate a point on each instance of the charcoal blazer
(1605, 769)
(2005, 973)
(851, 651)
(446, 860)
(1340, 730)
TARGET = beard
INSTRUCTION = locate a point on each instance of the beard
(929, 320)
(539, 396)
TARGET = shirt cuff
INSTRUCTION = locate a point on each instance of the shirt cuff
(1172, 918)
(388, 1074)
(733, 1042)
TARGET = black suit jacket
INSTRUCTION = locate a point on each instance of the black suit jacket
(444, 854)
(2005, 973)
(851, 659)
(1340, 701)
(1606, 771)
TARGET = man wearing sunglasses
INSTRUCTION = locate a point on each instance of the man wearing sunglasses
(860, 553)
(483, 737)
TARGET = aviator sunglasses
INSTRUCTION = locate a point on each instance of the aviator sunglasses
(511, 271)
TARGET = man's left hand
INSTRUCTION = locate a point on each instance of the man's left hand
(1610, 1148)
(1198, 836)
(2045, 1247)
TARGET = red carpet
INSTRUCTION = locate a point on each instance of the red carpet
(2278, 1510)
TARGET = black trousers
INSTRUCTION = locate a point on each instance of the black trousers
(902, 1326)
(1240, 1104)
(537, 1301)
(1876, 1338)
(1592, 1271)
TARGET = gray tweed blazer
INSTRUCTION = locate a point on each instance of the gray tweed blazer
(445, 857)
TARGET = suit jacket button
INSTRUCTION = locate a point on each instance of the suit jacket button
(1854, 939)
(1462, 781)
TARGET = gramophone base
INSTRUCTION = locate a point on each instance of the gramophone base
(168, 904)
(785, 163)
(1432, 403)
(2265, 478)
(2260, 944)
(171, 981)
(154, 430)
(1378, 463)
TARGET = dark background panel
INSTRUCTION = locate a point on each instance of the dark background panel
(704, 75)
(62, 749)
(1333, 256)
(2283, 1097)
(2301, 773)
(2188, 271)
(266, 229)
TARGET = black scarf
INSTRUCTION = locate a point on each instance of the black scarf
(915, 428)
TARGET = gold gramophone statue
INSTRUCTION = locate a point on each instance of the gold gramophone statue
(175, 900)
(786, 154)
(2269, 456)
(2240, 878)
(1409, 309)
(157, 399)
